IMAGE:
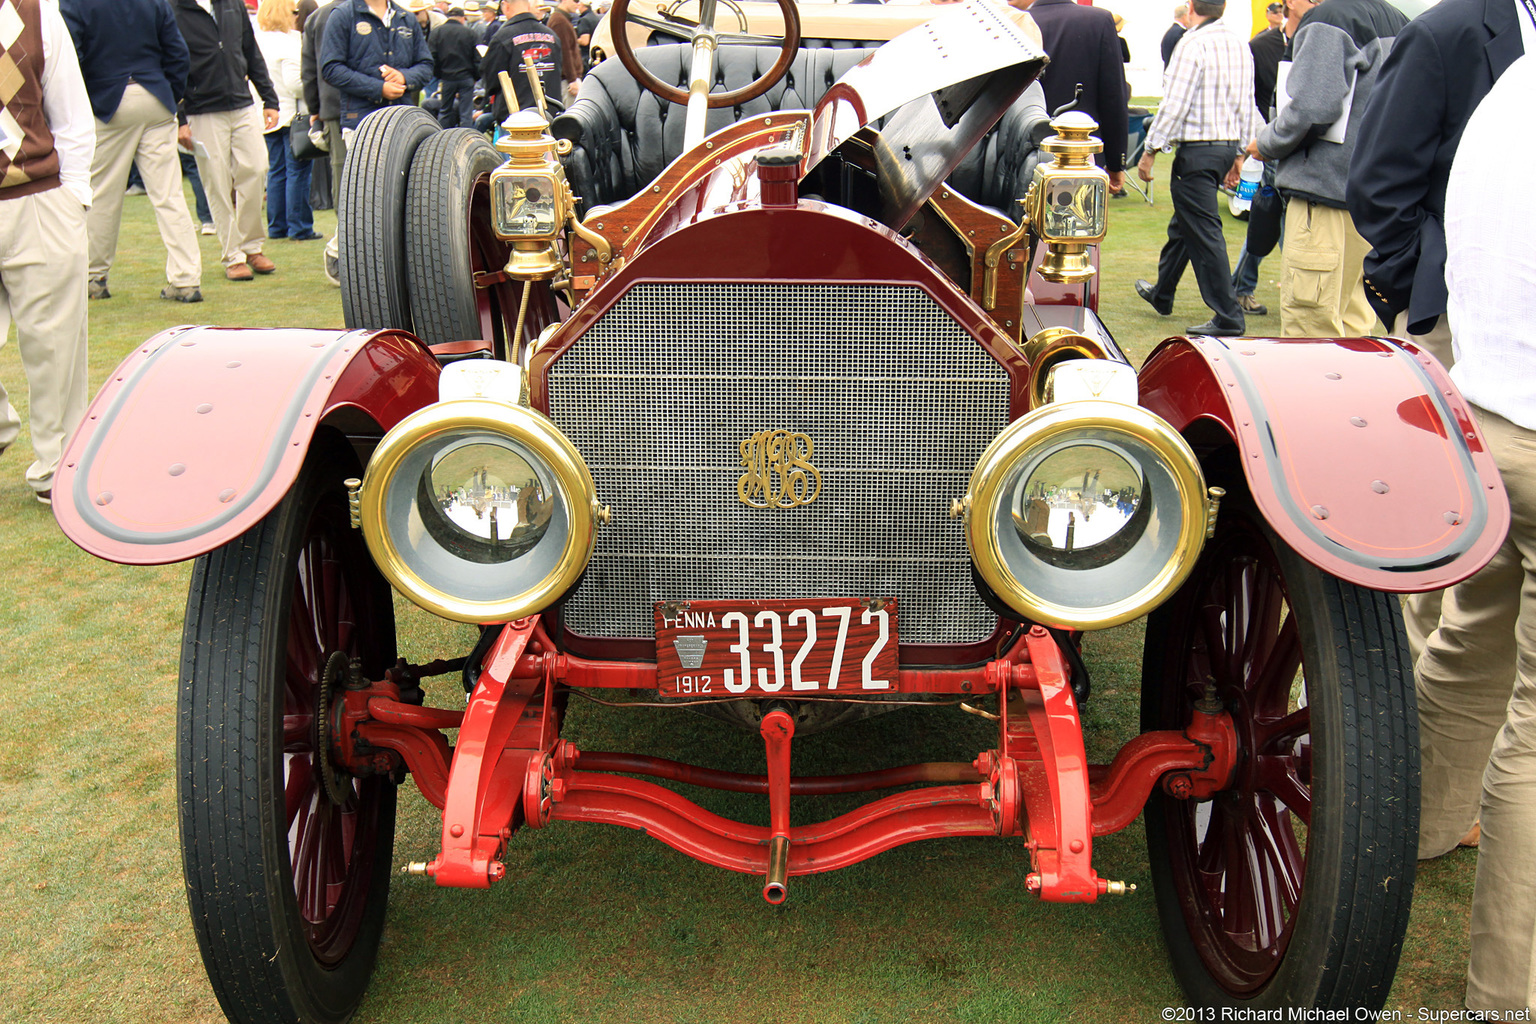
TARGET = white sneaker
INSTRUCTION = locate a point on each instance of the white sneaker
(208, 229)
(331, 261)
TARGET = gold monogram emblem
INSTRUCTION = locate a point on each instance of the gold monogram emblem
(779, 473)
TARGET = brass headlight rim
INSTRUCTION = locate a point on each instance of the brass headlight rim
(1044, 425)
(516, 423)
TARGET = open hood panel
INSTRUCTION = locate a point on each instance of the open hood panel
(940, 86)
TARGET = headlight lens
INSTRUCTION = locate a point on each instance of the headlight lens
(478, 511)
(1086, 514)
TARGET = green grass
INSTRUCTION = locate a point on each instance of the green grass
(594, 923)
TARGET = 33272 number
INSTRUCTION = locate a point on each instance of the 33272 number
(774, 680)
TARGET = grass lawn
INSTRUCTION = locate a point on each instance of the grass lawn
(594, 923)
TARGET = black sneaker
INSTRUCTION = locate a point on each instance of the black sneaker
(187, 293)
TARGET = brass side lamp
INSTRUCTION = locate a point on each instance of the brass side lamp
(529, 197)
(1068, 200)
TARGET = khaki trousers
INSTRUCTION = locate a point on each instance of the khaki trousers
(1322, 278)
(1477, 726)
(1421, 612)
(232, 161)
(42, 288)
(142, 129)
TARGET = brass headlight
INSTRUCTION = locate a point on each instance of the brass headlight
(479, 511)
(1086, 514)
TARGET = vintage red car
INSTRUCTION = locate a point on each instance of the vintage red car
(757, 412)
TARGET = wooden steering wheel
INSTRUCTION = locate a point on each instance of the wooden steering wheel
(788, 46)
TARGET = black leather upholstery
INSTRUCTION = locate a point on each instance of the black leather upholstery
(624, 136)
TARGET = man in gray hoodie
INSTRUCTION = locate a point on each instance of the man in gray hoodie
(1338, 49)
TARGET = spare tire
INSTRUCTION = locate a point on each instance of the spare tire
(449, 238)
(370, 212)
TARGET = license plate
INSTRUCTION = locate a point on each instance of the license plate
(790, 648)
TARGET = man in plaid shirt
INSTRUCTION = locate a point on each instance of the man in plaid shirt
(1209, 113)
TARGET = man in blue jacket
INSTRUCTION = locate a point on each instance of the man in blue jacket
(135, 67)
(374, 53)
(223, 129)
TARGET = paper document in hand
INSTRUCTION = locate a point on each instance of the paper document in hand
(1335, 132)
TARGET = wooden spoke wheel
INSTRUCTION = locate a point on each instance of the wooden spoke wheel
(1292, 887)
(286, 856)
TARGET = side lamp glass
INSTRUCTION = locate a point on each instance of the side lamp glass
(527, 206)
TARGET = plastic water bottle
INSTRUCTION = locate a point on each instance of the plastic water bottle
(1248, 187)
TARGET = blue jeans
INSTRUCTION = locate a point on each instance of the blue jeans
(288, 212)
(189, 171)
(457, 106)
(1245, 276)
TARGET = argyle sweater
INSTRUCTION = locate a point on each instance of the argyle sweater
(28, 161)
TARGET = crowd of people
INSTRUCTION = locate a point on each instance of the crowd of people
(1359, 115)
(105, 98)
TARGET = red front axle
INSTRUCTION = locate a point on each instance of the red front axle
(511, 768)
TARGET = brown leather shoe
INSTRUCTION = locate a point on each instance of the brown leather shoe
(261, 264)
(239, 272)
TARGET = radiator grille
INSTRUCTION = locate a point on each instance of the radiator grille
(899, 401)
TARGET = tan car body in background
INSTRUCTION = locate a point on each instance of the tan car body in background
(844, 21)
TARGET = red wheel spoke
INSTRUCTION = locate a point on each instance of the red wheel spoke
(302, 855)
(1266, 603)
(1282, 861)
(1238, 610)
(321, 857)
(298, 729)
(1215, 619)
(1282, 733)
(1240, 904)
(1277, 776)
(309, 603)
(300, 789)
(1271, 689)
(333, 857)
(304, 654)
(327, 599)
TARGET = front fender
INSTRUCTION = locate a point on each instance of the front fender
(202, 430)
(1359, 452)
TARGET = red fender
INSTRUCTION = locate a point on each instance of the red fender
(1360, 452)
(201, 431)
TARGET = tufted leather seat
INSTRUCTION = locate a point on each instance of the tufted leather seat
(624, 136)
